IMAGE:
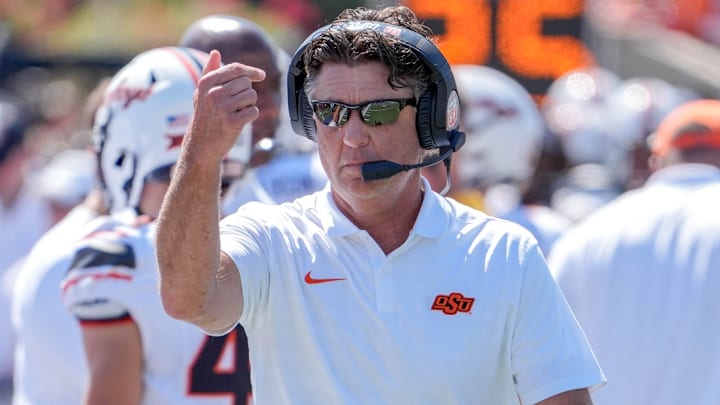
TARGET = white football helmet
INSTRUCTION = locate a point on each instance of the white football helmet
(140, 124)
(646, 101)
(503, 125)
(578, 108)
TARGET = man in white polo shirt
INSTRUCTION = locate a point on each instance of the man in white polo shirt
(375, 289)
(641, 274)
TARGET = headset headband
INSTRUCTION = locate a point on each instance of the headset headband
(440, 114)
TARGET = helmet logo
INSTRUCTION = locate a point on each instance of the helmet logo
(392, 31)
(126, 95)
(181, 121)
(452, 117)
(175, 141)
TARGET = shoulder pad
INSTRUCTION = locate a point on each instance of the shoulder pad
(103, 252)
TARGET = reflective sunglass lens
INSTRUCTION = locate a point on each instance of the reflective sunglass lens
(381, 113)
(327, 113)
(373, 113)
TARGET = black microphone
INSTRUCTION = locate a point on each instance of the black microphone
(383, 169)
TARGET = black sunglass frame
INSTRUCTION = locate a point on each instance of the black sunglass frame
(344, 114)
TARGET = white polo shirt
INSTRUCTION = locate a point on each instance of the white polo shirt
(465, 311)
(643, 277)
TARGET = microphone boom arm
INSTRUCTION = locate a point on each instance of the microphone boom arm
(383, 169)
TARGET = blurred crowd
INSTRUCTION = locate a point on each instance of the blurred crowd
(698, 18)
(548, 165)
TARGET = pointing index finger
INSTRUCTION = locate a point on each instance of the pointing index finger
(236, 70)
(254, 74)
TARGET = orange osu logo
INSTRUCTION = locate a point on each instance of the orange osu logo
(453, 303)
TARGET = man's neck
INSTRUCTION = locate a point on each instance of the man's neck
(388, 221)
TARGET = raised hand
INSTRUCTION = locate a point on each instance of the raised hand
(224, 102)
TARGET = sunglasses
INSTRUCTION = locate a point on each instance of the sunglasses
(380, 112)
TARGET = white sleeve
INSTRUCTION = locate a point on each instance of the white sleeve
(550, 353)
(245, 240)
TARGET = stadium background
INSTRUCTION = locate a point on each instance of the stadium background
(53, 52)
(78, 41)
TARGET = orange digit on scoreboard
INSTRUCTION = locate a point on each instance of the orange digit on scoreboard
(523, 48)
(509, 34)
(467, 27)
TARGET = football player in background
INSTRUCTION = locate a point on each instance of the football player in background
(283, 165)
(135, 352)
(641, 275)
(504, 140)
(49, 366)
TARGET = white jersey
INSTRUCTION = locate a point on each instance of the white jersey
(50, 365)
(292, 175)
(114, 278)
(244, 190)
(544, 223)
(20, 227)
(642, 276)
(465, 311)
(284, 178)
(585, 188)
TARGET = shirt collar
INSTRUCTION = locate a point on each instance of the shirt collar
(333, 221)
(686, 173)
(431, 222)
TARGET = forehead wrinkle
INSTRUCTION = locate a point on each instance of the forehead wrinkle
(357, 84)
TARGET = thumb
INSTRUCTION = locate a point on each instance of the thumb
(213, 63)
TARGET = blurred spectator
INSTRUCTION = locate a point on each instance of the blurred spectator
(35, 196)
(56, 99)
(305, 13)
(696, 17)
(65, 180)
(641, 273)
(504, 141)
(24, 216)
(629, 14)
(708, 22)
(49, 359)
(595, 137)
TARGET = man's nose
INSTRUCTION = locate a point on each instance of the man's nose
(355, 131)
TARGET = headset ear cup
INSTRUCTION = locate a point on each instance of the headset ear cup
(306, 116)
(423, 121)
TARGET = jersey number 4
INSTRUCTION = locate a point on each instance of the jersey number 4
(222, 368)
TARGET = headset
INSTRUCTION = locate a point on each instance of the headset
(438, 109)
